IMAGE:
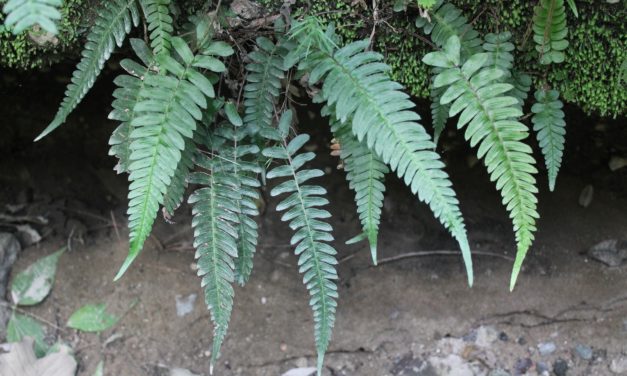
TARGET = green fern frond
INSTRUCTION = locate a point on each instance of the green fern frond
(23, 14)
(215, 239)
(112, 24)
(357, 86)
(550, 31)
(240, 160)
(159, 24)
(316, 257)
(263, 82)
(439, 112)
(522, 85)
(126, 97)
(474, 90)
(166, 115)
(365, 173)
(176, 190)
(550, 127)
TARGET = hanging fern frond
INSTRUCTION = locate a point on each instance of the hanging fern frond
(439, 112)
(357, 86)
(263, 82)
(23, 14)
(522, 85)
(159, 24)
(126, 97)
(302, 210)
(365, 173)
(490, 119)
(112, 24)
(550, 31)
(176, 190)
(166, 115)
(215, 225)
(550, 127)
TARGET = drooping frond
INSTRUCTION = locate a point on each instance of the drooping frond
(159, 24)
(126, 97)
(357, 86)
(302, 211)
(112, 24)
(176, 190)
(522, 85)
(490, 119)
(365, 173)
(263, 82)
(169, 107)
(215, 239)
(439, 112)
(22, 14)
(550, 127)
(239, 159)
(550, 31)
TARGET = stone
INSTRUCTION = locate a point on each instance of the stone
(542, 369)
(486, 336)
(619, 365)
(546, 348)
(185, 304)
(560, 367)
(498, 372)
(522, 366)
(9, 249)
(583, 351)
(611, 252)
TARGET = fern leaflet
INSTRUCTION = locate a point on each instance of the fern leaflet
(316, 257)
(550, 31)
(113, 23)
(159, 24)
(365, 173)
(176, 190)
(476, 92)
(23, 14)
(357, 86)
(550, 127)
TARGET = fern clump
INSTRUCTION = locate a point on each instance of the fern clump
(548, 122)
(475, 93)
(23, 14)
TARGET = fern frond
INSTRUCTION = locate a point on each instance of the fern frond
(240, 160)
(166, 115)
(176, 190)
(365, 173)
(126, 97)
(215, 239)
(159, 24)
(550, 127)
(112, 24)
(263, 82)
(23, 14)
(475, 91)
(550, 31)
(439, 112)
(316, 257)
(357, 86)
(522, 85)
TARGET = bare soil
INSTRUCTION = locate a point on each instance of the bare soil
(407, 316)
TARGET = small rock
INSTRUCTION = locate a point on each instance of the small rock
(452, 365)
(185, 305)
(28, 235)
(264, 300)
(546, 348)
(560, 367)
(611, 252)
(617, 163)
(522, 341)
(300, 372)
(599, 355)
(498, 372)
(585, 198)
(181, 372)
(503, 337)
(283, 347)
(275, 276)
(522, 366)
(619, 365)
(9, 249)
(583, 351)
(486, 335)
(542, 369)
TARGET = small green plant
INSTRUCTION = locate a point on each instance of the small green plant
(180, 124)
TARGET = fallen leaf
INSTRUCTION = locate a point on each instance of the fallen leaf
(32, 285)
(308, 371)
(92, 318)
(21, 361)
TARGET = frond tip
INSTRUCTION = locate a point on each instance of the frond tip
(550, 127)
(23, 14)
(550, 31)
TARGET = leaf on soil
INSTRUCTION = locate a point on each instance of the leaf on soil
(21, 361)
(92, 318)
(32, 285)
(21, 327)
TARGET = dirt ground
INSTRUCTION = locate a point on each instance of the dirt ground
(407, 316)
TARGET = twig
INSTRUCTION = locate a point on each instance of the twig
(115, 225)
(38, 318)
(403, 256)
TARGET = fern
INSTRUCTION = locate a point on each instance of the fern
(316, 257)
(550, 127)
(159, 24)
(490, 116)
(176, 190)
(263, 82)
(23, 14)
(439, 112)
(357, 86)
(215, 239)
(126, 97)
(522, 85)
(167, 114)
(365, 173)
(112, 24)
(550, 31)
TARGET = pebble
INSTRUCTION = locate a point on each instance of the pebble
(486, 335)
(498, 372)
(542, 368)
(585, 198)
(503, 337)
(583, 351)
(185, 304)
(522, 366)
(560, 367)
(619, 365)
(283, 347)
(546, 348)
